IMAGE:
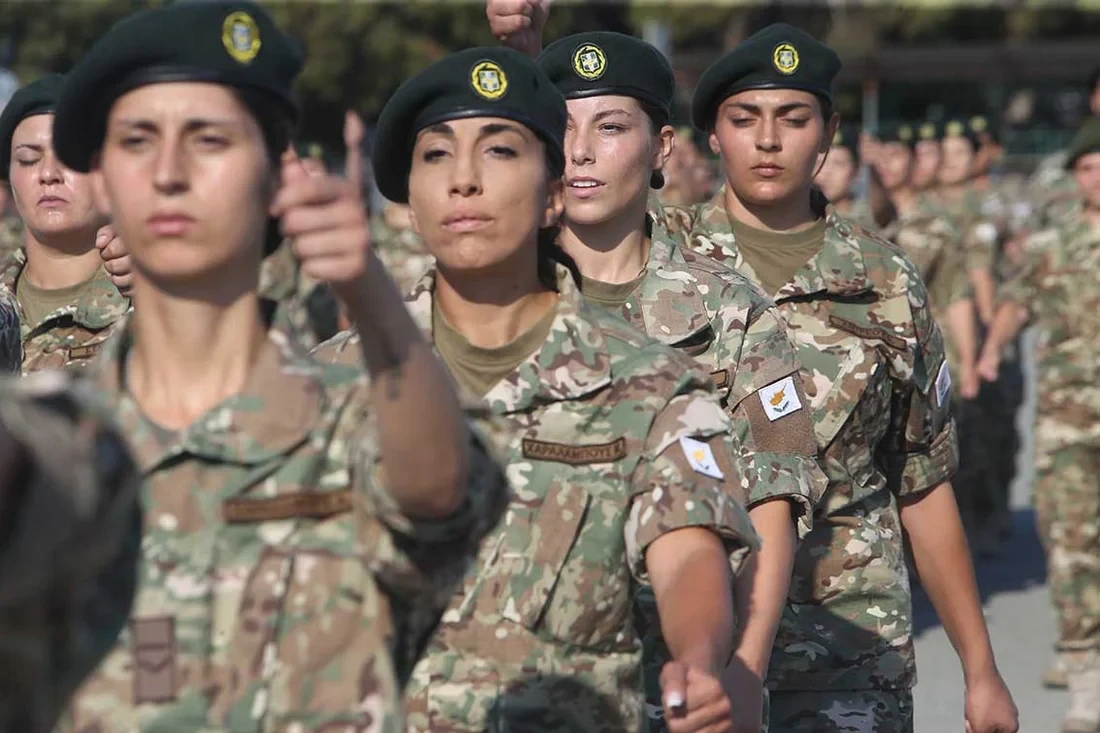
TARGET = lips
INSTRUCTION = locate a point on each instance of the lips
(466, 222)
(170, 224)
(768, 170)
(584, 187)
(51, 201)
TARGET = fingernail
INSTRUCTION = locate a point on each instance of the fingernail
(675, 700)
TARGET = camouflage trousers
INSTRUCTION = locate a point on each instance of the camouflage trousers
(1067, 507)
(974, 482)
(842, 711)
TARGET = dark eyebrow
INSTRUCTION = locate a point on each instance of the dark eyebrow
(191, 125)
(781, 110)
(609, 112)
(491, 128)
(31, 146)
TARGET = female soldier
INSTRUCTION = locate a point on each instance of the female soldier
(68, 306)
(619, 93)
(620, 457)
(297, 545)
(878, 389)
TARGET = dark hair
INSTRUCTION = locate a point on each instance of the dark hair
(277, 127)
(658, 118)
(550, 254)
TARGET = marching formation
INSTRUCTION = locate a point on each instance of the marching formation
(575, 434)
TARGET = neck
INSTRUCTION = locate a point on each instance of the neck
(612, 251)
(792, 215)
(1091, 215)
(491, 310)
(904, 199)
(190, 354)
(64, 262)
(952, 191)
(844, 203)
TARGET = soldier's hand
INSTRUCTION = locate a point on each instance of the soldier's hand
(695, 701)
(324, 216)
(969, 382)
(354, 132)
(518, 24)
(989, 365)
(116, 259)
(989, 707)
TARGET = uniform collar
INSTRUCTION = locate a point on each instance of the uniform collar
(243, 429)
(572, 363)
(102, 305)
(838, 269)
(668, 297)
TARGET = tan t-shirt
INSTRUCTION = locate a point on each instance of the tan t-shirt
(38, 303)
(609, 295)
(477, 369)
(776, 256)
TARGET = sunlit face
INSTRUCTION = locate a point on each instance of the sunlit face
(611, 152)
(479, 191)
(771, 142)
(187, 179)
(958, 161)
(895, 165)
(1086, 171)
(926, 163)
(51, 199)
(838, 174)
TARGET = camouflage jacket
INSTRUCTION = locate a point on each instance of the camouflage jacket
(11, 236)
(302, 308)
(69, 547)
(11, 346)
(282, 589)
(930, 239)
(1052, 192)
(402, 252)
(727, 324)
(1059, 288)
(70, 336)
(599, 419)
(875, 376)
(978, 235)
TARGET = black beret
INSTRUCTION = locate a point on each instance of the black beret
(602, 63)
(477, 82)
(236, 44)
(960, 129)
(1087, 140)
(778, 57)
(37, 98)
(898, 132)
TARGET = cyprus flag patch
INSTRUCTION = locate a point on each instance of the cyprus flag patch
(780, 399)
(943, 384)
(700, 457)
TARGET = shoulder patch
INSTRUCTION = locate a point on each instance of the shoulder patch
(700, 457)
(574, 455)
(943, 384)
(780, 399)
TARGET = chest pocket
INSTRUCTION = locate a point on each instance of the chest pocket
(557, 566)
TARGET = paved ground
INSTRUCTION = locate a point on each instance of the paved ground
(1020, 622)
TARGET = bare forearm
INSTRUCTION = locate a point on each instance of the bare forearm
(762, 584)
(695, 604)
(943, 563)
(1010, 318)
(985, 293)
(964, 334)
(409, 383)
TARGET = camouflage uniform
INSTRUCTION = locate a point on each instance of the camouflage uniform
(282, 587)
(729, 326)
(70, 545)
(70, 336)
(876, 379)
(11, 347)
(11, 237)
(930, 240)
(1053, 192)
(1060, 290)
(402, 252)
(302, 308)
(541, 637)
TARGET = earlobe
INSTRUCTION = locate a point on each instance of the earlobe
(712, 140)
(414, 223)
(555, 204)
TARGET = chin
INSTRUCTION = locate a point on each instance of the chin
(588, 213)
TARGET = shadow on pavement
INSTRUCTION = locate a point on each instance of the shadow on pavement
(1018, 567)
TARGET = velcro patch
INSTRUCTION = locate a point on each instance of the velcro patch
(82, 352)
(780, 399)
(701, 458)
(720, 379)
(943, 384)
(311, 504)
(574, 455)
